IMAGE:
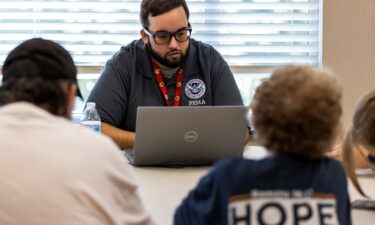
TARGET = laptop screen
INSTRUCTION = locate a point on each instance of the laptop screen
(189, 135)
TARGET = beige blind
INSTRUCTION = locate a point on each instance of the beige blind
(249, 33)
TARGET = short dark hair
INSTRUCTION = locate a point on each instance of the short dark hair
(36, 72)
(297, 111)
(158, 7)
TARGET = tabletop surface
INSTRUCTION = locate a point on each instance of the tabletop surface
(163, 189)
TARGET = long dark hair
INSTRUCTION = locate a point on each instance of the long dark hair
(360, 135)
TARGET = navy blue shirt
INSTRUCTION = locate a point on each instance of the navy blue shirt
(294, 189)
(128, 81)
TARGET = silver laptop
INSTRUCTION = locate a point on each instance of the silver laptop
(182, 136)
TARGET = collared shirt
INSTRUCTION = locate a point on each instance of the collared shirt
(128, 81)
(54, 172)
(280, 189)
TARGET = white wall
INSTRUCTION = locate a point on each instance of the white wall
(349, 48)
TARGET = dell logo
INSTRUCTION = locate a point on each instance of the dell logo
(191, 136)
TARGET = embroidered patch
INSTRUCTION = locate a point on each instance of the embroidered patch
(195, 88)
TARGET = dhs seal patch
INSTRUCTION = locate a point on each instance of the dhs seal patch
(195, 88)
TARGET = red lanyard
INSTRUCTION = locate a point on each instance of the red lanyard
(163, 89)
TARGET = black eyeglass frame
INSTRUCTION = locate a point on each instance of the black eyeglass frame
(171, 34)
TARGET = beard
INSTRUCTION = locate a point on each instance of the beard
(163, 60)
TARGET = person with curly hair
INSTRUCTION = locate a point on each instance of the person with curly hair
(296, 115)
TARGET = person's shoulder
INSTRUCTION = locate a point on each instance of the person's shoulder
(328, 161)
(202, 46)
(230, 165)
(330, 169)
(93, 138)
(206, 52)
(127, 51)
(333, 164)
(228, 162)
(101, 158)
(200, 43)
(87, 141)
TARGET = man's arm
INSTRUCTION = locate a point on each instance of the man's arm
(124, 139)
(110, 94)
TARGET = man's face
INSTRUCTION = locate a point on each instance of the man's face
(173, 53)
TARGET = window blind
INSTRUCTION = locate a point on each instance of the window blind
(249, 33)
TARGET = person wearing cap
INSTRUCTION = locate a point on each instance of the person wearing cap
(54, 172)
(164, 68)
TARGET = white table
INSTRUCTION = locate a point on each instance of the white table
(162, 189)
(363, 217)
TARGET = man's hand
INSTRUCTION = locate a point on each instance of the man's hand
(124, 139)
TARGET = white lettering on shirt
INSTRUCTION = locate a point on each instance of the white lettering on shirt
(197, 102)
(283, 210)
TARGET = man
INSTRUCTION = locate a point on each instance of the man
(53, 172)
(165, 68)
(296, 115)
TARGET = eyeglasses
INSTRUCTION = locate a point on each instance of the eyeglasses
(164, 37)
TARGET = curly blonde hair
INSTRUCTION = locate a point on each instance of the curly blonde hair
(297, 111)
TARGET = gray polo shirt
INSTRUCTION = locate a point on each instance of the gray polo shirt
(128, 81)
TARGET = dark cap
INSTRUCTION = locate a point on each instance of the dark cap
(50, 61)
